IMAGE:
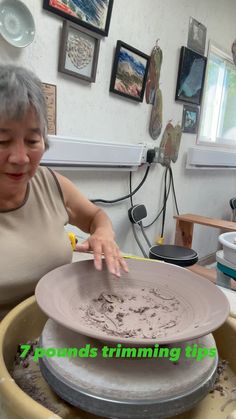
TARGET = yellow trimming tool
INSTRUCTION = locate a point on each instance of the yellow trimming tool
(73, 240)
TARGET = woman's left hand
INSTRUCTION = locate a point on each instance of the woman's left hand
(101, 244)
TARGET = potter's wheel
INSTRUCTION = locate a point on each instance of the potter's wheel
(124, 388)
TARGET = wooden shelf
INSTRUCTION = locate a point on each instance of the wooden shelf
(206, 221)
(184, 236)
(185, 224)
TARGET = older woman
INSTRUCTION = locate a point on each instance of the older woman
(35, 202)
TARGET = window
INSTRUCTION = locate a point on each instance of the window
(218, 111)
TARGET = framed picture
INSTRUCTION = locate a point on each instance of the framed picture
(50, 92)
(79, 52)
(190, 119)
(196, 36)
(129, 72)
(94, 15)
(191, 75)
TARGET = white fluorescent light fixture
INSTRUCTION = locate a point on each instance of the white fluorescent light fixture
(69, 153)
(210, 158)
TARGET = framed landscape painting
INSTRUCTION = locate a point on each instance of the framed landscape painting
(92, 14)
(129, 73)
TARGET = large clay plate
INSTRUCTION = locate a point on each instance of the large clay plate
(154, 303)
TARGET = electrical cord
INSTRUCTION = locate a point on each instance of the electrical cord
(161, 210)
(140, 224)
(171, 184)
(133, 226)
(164, 201)
(130, 189)
(113, 201)
(173, 190)
(144, 234)
(138, 241)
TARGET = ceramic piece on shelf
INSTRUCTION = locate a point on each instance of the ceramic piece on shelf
(17, 25)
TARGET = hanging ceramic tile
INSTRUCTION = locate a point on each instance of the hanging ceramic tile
(166, 147)
(155, 124)
(176, 142)
(153, 74)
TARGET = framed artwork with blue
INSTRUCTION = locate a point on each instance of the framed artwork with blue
(92, 14)
(190, 119)
(129, 72)
(191, 73)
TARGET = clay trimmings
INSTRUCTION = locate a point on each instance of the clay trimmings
(148, 313)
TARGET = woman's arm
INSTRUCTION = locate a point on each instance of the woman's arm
(91, 219)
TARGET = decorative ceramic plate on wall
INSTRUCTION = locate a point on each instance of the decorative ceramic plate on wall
(16, 23)
(155, 302)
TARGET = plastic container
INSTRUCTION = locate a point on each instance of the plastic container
(228, 240)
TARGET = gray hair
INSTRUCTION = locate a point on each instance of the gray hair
(20, 89)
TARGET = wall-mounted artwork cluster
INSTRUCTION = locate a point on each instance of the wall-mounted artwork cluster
(86, 21)
(191, 74)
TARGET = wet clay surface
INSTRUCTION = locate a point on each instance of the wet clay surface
(148, 313)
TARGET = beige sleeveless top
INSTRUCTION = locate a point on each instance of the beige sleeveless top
(33, 240)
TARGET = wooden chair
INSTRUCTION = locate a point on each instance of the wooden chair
(184, 236)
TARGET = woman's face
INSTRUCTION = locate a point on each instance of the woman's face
(21, 149)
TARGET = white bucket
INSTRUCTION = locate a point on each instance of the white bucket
(228, 240)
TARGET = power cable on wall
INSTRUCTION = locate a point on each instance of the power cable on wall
(168, 170)
(138, 241)
(165, 197)
(113, 201)
(173, 190)
(167, 186)
(130, 188)
(132, 224)
(164, 203)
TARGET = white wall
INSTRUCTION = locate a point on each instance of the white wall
(90, 111)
